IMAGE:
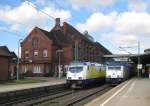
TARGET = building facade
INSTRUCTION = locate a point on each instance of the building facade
(13, 66)
(5, 56)
(42, 51)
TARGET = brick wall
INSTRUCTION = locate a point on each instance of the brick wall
(67, 55)
(4, 67)
(44, 43)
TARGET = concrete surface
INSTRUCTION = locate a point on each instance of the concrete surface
(135, 92)
(51, 81)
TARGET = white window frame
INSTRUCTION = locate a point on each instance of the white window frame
(26, 53)
(36, 53)
(37, 69)
(25, 69)
(45, 53)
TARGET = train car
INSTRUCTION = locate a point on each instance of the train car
(117, 73)
(81, 74)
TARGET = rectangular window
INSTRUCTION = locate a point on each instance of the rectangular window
(75, 69)
(37, 69)
(35, 53)
(114, 68)
(26, 54)
(25, 69)
(45, 53)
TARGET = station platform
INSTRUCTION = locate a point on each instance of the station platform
(134, 92)
(50, 82)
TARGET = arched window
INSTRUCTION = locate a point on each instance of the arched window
(45, 53)
(35, 42)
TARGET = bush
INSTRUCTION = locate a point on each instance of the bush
(28, 74)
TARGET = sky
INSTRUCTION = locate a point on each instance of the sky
(117, 24)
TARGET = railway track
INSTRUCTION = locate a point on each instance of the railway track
(68, 97)
(16, 97)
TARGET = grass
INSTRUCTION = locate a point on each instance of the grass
(21, 81)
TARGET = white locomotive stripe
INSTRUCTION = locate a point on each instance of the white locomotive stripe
(107, 100)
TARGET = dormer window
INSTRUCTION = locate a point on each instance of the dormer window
(35, 42)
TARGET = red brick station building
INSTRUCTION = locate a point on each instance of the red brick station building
(42, 51)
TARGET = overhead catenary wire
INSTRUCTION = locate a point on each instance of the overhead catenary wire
(23, 24)
(54, 1)
(20, 23)
(5, 30)
(27, 2)
(123, 49)
(127, 47)
(13, 31)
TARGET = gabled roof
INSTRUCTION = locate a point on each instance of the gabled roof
(103, 48)
(70, 29)
(4, 51)
(13, 54)
(57, 36)
(60, 36)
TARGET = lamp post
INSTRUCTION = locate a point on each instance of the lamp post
(76, 50)
(139, 59)
(17, 76)
(59, 60)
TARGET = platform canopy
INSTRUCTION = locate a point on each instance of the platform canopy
(144, 58)
(119, 55)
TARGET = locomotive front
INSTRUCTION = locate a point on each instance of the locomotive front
(76, 75)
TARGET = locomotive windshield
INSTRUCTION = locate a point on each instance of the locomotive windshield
(75, 69)
(114, 68)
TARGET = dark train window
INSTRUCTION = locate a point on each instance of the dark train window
(75, 69)
(114, 68)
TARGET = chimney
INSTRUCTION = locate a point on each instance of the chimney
(57, 22)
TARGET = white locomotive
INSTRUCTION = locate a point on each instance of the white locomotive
(116, 73)
(80, 74)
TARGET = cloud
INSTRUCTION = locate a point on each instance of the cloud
(91, 4)
(98, 22)
(63, 14)
(133, 22)
(119, 42)
(137, 5)
(42, 2)
(30, 17)
(120, 39)
(126, 28)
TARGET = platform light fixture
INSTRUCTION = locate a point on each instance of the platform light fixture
(17, 76)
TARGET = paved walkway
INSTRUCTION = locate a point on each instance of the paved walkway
(135, 92)
(52, 81)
